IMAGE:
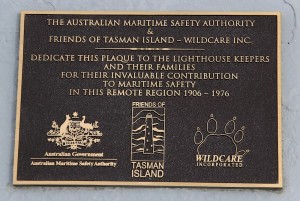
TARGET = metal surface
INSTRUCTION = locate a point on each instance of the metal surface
(72, 70)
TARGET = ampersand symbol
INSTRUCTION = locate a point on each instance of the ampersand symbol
(150, 31)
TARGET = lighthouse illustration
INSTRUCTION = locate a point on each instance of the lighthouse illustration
(148, 144)
(148, 134)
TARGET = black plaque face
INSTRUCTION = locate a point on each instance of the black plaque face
(149, 99)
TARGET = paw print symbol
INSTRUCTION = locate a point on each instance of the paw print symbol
(230, 131)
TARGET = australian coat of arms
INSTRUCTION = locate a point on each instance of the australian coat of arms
(74, 133)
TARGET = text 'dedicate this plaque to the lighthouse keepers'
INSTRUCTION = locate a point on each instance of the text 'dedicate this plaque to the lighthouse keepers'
(149, 99)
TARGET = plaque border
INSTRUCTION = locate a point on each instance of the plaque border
(279, 184)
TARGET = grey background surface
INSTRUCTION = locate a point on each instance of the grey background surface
(9, 41)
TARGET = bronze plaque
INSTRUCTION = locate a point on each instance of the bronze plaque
(149, 99)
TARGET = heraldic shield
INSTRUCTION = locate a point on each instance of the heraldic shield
(74, 133)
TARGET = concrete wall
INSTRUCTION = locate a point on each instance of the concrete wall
(9, 41)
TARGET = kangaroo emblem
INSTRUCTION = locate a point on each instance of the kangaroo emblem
(63, 128)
